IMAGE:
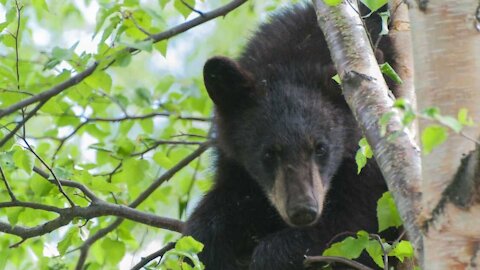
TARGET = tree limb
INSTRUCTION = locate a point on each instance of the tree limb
(142, 197)
(366, 93)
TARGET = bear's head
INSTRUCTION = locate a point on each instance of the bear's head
(288, 136)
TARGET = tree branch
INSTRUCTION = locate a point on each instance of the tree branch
(98, 209)
(153, 256)
(142, 197)
(46, 95)
(334, 260)
(366, 93)
(222, 11)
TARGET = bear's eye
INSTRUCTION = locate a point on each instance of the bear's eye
(320, 150)
(269, 157)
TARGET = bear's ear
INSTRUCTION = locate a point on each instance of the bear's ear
(228, 84)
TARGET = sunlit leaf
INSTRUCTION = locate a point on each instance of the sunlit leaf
(433, 136)
(387, 213)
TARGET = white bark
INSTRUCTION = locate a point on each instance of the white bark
(447, 72)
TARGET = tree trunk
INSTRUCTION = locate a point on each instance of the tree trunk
(447, 71)
(446, 45)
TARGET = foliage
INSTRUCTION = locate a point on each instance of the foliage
(127, 122)
(377, 248)
(435, 133)
(363, 153)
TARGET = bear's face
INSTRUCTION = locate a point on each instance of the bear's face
(289, 139)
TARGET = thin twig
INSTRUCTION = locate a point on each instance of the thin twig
(192, 8)
(7, 186)
(384, 252)
(17, 69)
(139, 27)
(22, 123)
(333, 259)
(164, 142)
(153, 256)
(57, 181)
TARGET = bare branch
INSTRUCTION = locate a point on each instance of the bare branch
(98, 209)
(153, 256)
(31, 205)
(335, 260)
(142, 197)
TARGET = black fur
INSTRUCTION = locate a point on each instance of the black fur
(279, 92)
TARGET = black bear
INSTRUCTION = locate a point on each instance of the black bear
(286, 182)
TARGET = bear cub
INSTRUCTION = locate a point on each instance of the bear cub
(286, 180)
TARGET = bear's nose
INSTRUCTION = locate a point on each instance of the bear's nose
(302, 214)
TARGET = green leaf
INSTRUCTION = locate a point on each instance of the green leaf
(116, 250)
(373, 5)
(40, 4)
(13, 214)
(40, 186)
(433, 136)
(464, 118)
(24, 160)
(402, 250)
(337, 79)
(143, 96)
(387, 213)
(103, 186)
(374, 249)
(363, 153)
(390, 72)
(183, 8)
(188, 244)
(163, 160)
(100, 80)
(161, 47)
(123, 58)
(63, 245)
(431, 112)
(349, 248)
(147, 125)
(332, 2)
(450, 122)
(384, 119)
(124, 147)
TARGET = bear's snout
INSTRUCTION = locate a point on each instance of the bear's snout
(303, 214)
